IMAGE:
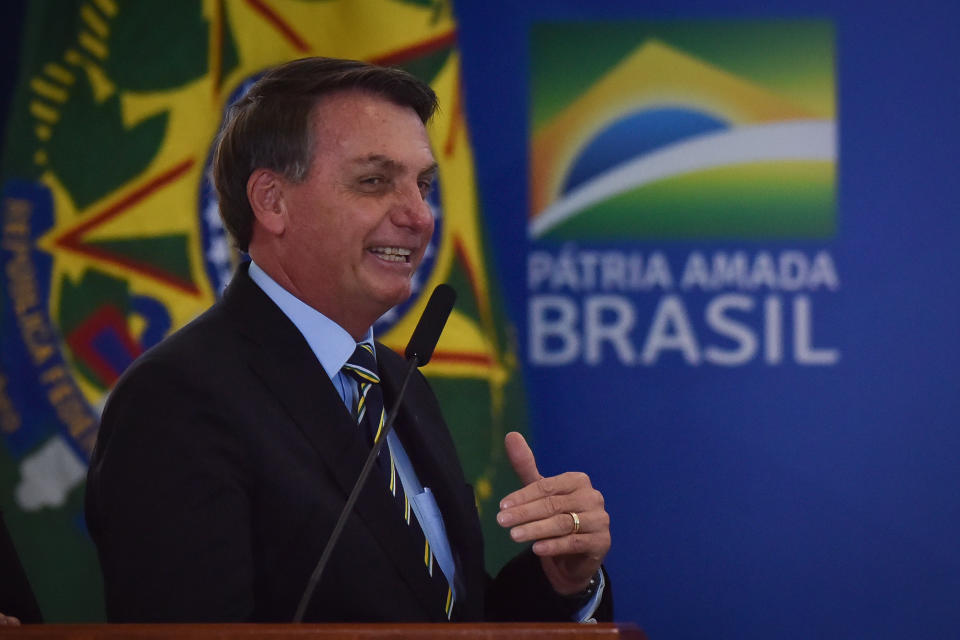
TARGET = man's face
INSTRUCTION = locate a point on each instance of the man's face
(358, 225)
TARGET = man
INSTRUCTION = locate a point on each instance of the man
(226, 453)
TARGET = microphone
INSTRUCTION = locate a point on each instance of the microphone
(418, 353)
(427, 333)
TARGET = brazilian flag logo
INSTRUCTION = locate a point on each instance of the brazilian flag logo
(110, 237)
(683, 130)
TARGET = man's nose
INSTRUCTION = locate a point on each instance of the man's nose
(412, 210)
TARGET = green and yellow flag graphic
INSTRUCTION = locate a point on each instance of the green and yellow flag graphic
(110, 239)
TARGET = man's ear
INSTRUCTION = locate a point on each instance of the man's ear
(265, 194)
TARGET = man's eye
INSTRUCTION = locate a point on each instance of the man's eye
(426, 186)
(372, 181)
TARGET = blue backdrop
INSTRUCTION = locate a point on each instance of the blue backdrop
(773, 501)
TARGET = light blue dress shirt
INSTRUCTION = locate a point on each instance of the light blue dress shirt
(333, 346)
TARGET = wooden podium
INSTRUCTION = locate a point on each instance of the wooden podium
(472, 631)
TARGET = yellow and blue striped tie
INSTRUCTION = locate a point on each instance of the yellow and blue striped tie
(369, 413)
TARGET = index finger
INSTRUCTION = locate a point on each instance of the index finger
(554, 485)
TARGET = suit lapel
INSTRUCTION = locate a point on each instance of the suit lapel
(279, 356)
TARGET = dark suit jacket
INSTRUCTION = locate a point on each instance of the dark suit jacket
(224, 458)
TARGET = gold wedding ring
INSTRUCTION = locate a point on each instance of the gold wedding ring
(576, 522)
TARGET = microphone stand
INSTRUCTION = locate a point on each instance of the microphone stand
(348, 507)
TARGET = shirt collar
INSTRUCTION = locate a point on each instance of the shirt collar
(330, 342)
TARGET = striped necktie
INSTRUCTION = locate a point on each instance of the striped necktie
(369, 413)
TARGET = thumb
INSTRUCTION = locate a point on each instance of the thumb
(521, 458)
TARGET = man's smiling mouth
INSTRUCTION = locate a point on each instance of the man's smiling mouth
(391, 254)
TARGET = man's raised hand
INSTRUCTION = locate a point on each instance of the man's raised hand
(563, 515)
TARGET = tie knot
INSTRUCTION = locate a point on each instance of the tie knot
(362, 365)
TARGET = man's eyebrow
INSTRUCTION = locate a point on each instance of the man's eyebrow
(387, 163)
(375, 158)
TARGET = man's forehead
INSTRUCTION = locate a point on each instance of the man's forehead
(363, 125)
(351, 102)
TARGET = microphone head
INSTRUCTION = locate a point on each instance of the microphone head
(425, 336)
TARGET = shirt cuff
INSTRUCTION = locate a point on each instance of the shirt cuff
(597, 584)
